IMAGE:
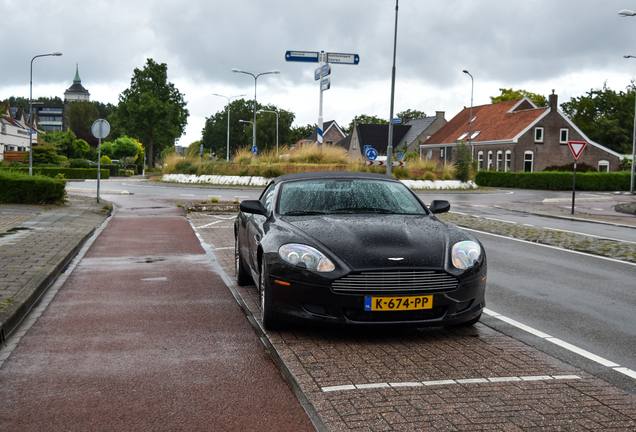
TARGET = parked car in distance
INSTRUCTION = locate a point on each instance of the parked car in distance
(357, 249)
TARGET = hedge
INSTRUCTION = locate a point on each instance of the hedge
(19, 188)
(69, 173)
(591, 181)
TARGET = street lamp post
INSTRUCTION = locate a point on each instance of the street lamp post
(54, 54)
(470, 127)
(235, 70)
(629, 13)
(227, 156)
(631, 184)
(275, 112)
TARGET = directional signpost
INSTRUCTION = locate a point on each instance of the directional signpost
(371, 153)
(322, 73)
(577, 148)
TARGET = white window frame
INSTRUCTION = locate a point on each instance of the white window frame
(526, 159)
(480, 160)
(489, 166)
(538, 134)
(605, 164)
(567, 135)
(500, 160)
(508, 161)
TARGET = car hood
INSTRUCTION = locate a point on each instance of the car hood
(380, 241)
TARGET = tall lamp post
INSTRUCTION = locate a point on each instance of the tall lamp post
(275, 112)
(54, 54)
(235, 70)
(470, 127)
(228, 121)
(628, 13)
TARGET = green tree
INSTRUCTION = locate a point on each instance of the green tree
(411, 114)
(463, 162)
(125, 147)
(605, 116)
(301, 132)
(82, 115)
(152, 109)
(510, 94)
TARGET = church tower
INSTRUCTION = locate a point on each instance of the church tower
(77, 92)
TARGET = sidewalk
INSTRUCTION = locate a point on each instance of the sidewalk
(36, 243)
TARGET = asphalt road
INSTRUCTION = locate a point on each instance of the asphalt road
(587, 301)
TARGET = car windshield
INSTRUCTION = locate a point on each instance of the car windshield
(337, 196)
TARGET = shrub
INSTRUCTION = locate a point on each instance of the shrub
(79, 163)
(551, 180)
(429, 176)
(271, 172)
(186, 167)
(20, 188)
(463, 162)
(105, 160)
(580, 168)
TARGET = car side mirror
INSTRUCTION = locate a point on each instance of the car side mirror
(439, 206)
(253, 206)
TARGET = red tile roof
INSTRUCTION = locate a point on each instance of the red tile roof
(495, 122)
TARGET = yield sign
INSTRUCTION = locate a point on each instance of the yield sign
(577, 147)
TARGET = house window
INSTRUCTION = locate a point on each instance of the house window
(563, 136)
(528, 159)
(499, 160)
(472, 137)
(603, 166)
(538, 134)
(489, 160)
(480, 160)
(464, 135)
(508, 160)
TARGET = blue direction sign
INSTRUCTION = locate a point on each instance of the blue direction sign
(371, 154)
(352, 59)
(254, 150)
(302, 56)
(400, 156)
(325, 84)
(396, 120)
(325, 70)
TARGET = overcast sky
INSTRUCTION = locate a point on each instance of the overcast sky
(570, 46)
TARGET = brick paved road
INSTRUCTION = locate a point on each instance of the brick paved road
(430, 379)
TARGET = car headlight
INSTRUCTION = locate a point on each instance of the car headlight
(466, 254)
(312, 258)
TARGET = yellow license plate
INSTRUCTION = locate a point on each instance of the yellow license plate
(398, 303)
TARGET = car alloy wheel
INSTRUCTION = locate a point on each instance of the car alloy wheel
(242, 276)
(265, 294)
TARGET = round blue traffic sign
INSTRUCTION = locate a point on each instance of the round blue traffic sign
(371, 154)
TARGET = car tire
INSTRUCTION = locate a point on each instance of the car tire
(243, 278)
(267, 303)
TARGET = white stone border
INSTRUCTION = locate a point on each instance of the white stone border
(262, 181)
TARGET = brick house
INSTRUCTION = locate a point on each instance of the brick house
(518, 136)
(331, 135)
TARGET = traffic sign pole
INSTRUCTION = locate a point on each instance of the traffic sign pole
(577, 148)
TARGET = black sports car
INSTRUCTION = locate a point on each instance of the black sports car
(356, 248)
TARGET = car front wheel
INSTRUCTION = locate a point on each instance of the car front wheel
(242, 276)
(267, 304)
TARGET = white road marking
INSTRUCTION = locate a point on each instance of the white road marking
(550, 247)
(489, 380)
(501, 220)
(162, 278)
(588, 355)
(186, 194)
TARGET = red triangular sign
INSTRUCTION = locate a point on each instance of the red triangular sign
(577, 147)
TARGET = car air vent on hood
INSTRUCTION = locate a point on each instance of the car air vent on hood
(393, 282)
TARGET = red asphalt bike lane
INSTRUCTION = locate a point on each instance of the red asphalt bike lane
(145, 335)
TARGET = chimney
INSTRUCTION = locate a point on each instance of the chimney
(553, 102)
(439, 114)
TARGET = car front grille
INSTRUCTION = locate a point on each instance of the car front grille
(394, 282)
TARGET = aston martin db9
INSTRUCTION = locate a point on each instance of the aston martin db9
(359, 249)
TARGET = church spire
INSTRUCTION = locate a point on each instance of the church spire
(77, 79)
